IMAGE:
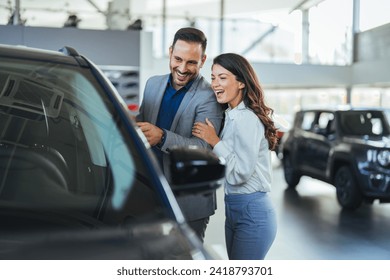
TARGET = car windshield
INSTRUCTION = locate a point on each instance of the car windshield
(370, 123)
(63, 146)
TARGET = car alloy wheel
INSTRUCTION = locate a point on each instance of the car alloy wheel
(348, 194)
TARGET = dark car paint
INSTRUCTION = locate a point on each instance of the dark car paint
(319, 154)
(46, 231)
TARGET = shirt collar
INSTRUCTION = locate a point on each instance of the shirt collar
(232, 112)
(185, 88)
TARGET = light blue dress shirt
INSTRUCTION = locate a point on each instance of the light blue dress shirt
(245, 149)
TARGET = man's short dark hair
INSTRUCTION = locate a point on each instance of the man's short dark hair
(191, 34)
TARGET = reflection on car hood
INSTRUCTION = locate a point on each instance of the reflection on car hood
(152, 241)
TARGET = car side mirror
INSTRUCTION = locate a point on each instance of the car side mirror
(194, 169)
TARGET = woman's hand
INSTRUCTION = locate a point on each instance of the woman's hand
(206, 131)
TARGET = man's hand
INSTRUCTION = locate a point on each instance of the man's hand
(152, 133)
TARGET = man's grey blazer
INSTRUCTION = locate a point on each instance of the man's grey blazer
(198, 104)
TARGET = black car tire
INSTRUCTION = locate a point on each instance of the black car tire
(348, 193)
(291, 175)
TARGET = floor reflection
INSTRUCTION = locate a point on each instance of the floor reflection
(312, 226)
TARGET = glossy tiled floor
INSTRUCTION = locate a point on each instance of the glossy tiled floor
(312, 226)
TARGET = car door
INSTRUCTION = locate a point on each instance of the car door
(302, 134)
(76, 181)
(319, 143)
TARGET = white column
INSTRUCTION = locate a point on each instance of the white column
(305, 36)
(355, 27)
(118, 14)
(16, 14)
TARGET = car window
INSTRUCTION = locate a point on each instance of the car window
(307, 121)
(323, 124)
(63, 146)
(324, 119)
(370, 123)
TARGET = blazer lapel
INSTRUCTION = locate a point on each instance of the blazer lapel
(184, 103)
(159, 93)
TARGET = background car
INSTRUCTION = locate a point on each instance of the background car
(347, 147)
(77, 178)
(283, 125)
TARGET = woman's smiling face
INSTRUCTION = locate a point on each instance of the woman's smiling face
(226, 88)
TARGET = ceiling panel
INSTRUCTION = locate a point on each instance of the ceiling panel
(54, 13)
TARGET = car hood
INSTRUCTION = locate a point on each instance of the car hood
(374, 141)
(151, 241)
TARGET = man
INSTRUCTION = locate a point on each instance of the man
(171, 104)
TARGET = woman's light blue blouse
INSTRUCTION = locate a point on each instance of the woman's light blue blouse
(245, 150)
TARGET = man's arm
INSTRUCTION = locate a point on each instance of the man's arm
(208, 108)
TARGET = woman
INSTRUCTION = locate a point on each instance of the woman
(245, 143)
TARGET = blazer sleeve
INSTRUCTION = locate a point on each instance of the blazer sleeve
(202, 105)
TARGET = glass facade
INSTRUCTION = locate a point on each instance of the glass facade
(321, 34)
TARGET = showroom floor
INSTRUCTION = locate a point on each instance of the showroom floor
(312, 226)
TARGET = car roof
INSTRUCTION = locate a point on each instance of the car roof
(64, 55)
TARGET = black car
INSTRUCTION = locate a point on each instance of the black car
(346, 147)
(77, 177)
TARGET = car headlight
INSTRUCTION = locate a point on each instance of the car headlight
(384, 158)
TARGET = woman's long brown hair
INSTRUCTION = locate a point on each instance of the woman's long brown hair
(253, 95)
